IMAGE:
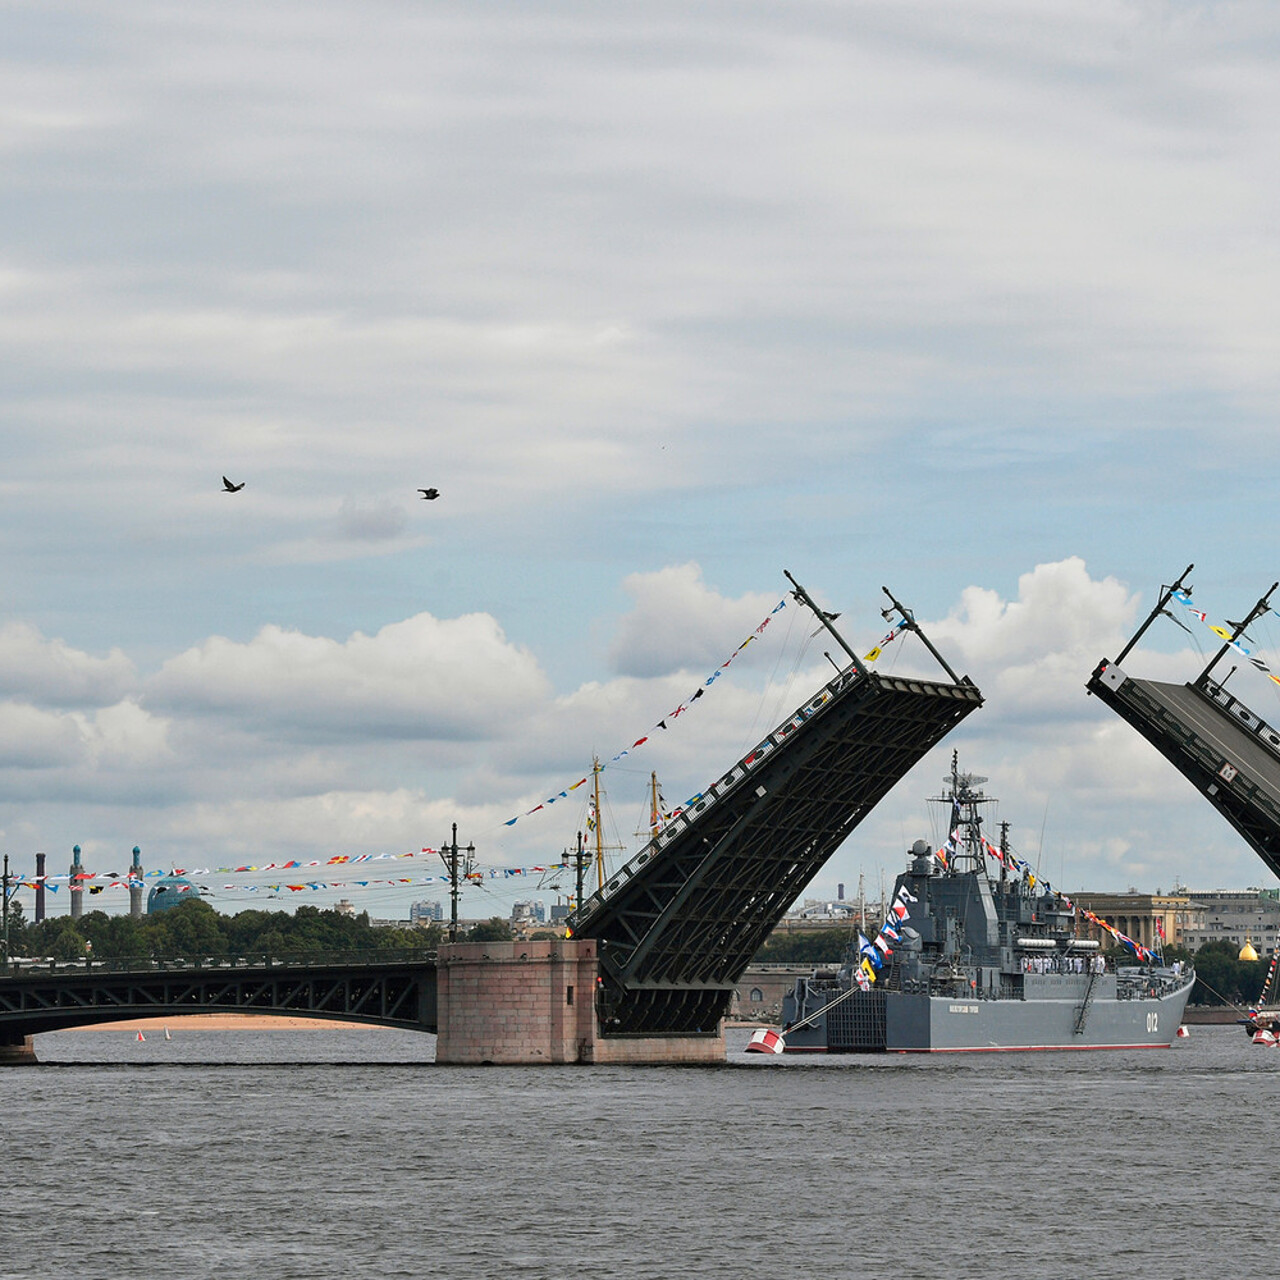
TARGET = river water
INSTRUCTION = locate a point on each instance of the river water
(347, 1153)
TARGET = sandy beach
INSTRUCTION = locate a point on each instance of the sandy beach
(228, 1022)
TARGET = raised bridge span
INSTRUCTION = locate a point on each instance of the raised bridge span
(679, 924)
(1228, 752)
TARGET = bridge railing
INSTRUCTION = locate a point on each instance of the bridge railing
(704, 800)
(20, 966)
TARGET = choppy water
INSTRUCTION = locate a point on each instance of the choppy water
(348, 1154)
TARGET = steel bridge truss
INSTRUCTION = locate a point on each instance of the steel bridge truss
(678, 925)
(1225, 750)
(401, 994)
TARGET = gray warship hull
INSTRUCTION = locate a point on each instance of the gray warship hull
(967, 961)
(1128, 1011)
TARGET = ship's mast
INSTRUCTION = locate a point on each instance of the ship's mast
(595, 784)
(964, 796)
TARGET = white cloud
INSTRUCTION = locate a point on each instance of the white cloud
(679, 623)
(423, 678)
(51, 672)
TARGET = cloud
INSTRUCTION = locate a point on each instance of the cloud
(679, 623)
(115, 739)
(52, 673)
(371, 522)
(1032, 655)
(423, 678)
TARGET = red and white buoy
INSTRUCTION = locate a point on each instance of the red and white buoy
(766, 1040)
(1183, 1033)
(141, 1038)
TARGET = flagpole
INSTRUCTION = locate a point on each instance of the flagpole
(1155, 613)
(1256, 612)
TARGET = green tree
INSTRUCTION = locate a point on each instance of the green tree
(495, 929)
(194, 928)
(17, 929)
(811, 946)
(1222, 975)
(59, 937)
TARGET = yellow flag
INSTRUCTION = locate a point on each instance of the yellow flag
(1221, 631)
(868, 968)
(873, 655)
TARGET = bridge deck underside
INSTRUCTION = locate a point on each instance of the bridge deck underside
(681, 931)
(1227, 752)
(398, 997)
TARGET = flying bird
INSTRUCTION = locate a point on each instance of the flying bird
(228, 487)
(428, 494)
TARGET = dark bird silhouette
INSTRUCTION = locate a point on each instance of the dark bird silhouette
(428, 494)
(228, 487)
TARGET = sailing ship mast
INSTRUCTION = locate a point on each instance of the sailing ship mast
(595, 786)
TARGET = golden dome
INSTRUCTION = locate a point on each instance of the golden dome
(1247, 952)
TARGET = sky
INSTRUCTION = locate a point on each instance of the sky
(980, 303)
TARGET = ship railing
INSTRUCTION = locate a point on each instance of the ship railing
(703, 801)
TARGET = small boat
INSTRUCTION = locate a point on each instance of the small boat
(167, 1036)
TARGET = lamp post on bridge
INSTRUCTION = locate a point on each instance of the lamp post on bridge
(449, 856)
(6, 913)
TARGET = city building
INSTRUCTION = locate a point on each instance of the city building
(1142, 916)
(1251, 915)
(528, 913)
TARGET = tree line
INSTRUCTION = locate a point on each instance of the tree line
(195, 929)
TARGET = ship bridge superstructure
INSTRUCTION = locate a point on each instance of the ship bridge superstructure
(679, 923)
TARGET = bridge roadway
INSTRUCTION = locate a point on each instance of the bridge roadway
(393, 989)
(1222, 747)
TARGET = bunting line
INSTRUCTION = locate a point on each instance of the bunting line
(1184, 599)
(661, 724)
(474, 878)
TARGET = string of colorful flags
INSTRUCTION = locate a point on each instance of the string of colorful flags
(1184, 599)
(129, 882)
(662, 724)
(1271, 973)
(1143, 953)
(124, 877)
(876, 954)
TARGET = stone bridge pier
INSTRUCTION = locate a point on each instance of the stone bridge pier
(535, 1002)
(16, 1050)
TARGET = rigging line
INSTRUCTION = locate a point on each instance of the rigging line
(754, 729)
(1044, 822)
(1213, 992)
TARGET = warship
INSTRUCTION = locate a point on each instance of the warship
(978, 953)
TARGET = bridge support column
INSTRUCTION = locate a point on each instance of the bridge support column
(16, 1051)
(534, 1003)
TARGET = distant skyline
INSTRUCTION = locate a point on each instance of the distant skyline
(978, 304)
